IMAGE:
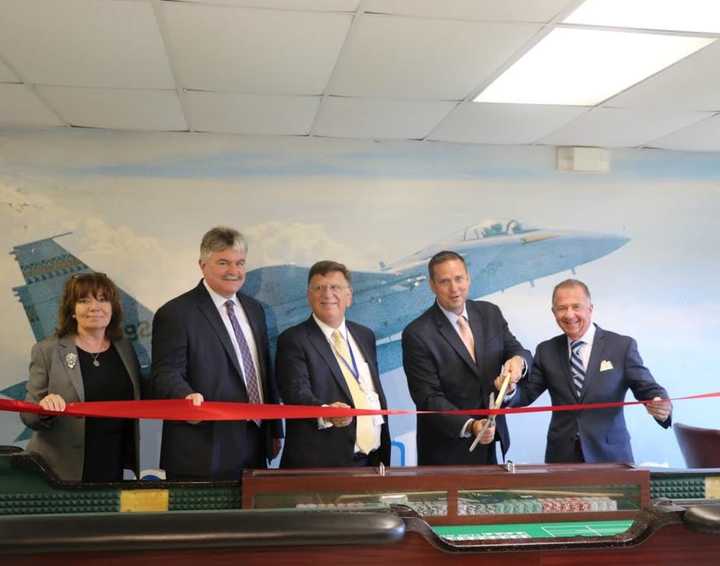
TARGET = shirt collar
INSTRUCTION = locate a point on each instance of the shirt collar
(452, 317)
(588, 337)
(327, 330)
(218, 299)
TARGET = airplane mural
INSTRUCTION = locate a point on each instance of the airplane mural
(499, 255)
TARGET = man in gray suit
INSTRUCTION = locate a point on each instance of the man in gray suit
(587, 364)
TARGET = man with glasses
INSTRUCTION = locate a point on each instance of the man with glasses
(328, 360)
(453, 355)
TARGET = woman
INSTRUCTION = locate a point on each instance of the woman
(86, 360)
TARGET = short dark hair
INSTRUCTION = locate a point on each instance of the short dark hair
(82, 285)
(442, 257)
(328, 266)
(571, 283)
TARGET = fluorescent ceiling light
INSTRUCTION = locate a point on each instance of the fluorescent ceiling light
(678, 15)
(584, 67)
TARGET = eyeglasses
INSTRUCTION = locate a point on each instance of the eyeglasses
(332, 288)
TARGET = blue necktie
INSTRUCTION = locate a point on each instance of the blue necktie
(251, 381)
(577, 369)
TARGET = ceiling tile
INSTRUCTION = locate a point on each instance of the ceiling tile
(309, 5)
(397, 57)
(690, 84)
(84, 43)
(252, 114)
(20, 107)
(254, 51)
(116, 109)
(701, 136)
(616, 127)
(378, 118)
(488, 123)
(488, 10)
(6, 75)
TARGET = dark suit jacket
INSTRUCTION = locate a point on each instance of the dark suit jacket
(442, 376)
(192, 352)
(309, 374)
(602, 432)
(61, 440)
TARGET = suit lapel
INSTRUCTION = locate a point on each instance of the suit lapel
(453, 338)
(208, 309)
(124, 350)
(67, 352)
(563, 355)
(320, 343)
(366, 351)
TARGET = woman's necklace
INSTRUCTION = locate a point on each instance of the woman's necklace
(95, 355)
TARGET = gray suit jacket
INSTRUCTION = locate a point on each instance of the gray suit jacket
(61, 440)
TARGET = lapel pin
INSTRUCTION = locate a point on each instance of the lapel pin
(71, 360)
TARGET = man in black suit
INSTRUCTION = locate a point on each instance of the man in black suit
(211, 344)
(328, 360)
(453, 355)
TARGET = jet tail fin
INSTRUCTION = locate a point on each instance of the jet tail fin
(45, 266)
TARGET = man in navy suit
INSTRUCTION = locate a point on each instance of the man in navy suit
(587, 364)
(328, 360)
(453, 356)
(211, 344)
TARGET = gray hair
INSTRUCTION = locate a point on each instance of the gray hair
(571, 283)
(219, 239)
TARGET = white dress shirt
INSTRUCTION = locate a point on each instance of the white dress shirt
(242, 318)
(364, 377)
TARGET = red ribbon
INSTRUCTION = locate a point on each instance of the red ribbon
(184, 410)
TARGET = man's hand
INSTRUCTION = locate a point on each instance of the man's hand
(487, 436)
(52, 402)
(659, 408)
(339, 421)
(514, 366)
(197, 400)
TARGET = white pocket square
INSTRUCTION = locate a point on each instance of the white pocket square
(606, 365)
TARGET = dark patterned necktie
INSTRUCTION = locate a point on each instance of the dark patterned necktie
(251, 380)
(577, 368)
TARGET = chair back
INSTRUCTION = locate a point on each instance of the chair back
(699, 446)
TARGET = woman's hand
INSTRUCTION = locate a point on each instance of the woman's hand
(52, 402)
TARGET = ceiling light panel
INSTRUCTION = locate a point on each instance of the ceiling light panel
(251, 114)
(618, 127)
(84, 43)
(486, 10)
(379, 118)
(398, 57)
(117, 109)
(677, 15)
(690, 84)
(254, 51)
(20, 107)
(585, 67)
(503, 123)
